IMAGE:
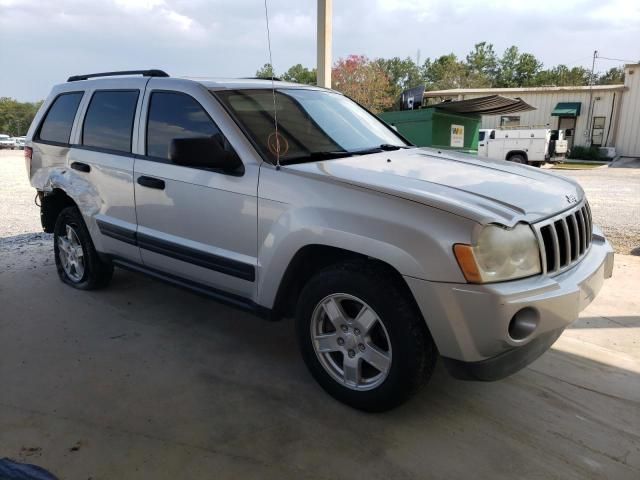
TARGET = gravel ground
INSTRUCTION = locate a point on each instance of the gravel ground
(614, 195)
(23, 244)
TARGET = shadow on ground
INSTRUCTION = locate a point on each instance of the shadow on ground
(144, 377)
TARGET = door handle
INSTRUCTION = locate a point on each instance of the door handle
(81, 167)
(151, 182)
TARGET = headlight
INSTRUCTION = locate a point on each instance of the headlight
(500, 254)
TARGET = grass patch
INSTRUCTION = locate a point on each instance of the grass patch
(577, 165)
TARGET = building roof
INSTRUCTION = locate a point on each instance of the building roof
(489, 105)
(511, 91)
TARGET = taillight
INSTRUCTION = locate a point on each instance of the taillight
(28, 152)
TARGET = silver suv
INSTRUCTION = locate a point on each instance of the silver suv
(293, 201)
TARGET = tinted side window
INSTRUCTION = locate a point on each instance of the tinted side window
(109, 120)
(59, 120)
(176, 115)
(481, 136)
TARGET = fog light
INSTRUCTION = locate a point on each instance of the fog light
(523, 323)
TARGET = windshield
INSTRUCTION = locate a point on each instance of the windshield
(312, 124)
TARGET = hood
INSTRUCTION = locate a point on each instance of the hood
(481, 189)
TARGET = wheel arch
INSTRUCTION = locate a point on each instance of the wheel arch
(51, 204)
(513, 153)
(309, 260)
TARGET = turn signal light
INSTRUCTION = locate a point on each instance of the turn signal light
(467, 262)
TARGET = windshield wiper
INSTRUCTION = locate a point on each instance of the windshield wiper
(387, 147)
(317, 156)
(328, 155)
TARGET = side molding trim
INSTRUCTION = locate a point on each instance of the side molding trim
(202, 259)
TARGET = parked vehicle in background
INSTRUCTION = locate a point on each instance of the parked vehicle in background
(388, 256)
(20, 142)
(531, 146)
(7, 142)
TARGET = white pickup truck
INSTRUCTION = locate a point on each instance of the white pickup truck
(532, 146)
(7, 142)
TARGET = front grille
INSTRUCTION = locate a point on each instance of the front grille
(564, 239)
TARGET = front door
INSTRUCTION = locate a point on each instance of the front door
(568, 124)
(483, 143)
(195, 223)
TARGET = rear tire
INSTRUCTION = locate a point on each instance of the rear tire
(77, 261)
(375, 321)
(518, 159)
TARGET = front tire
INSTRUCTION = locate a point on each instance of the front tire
(77, 261)
(362, 336)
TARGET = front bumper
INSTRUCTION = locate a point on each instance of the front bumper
(470, 323)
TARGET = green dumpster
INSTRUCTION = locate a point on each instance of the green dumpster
(430, 127)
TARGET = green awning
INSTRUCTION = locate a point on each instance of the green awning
(566, 109)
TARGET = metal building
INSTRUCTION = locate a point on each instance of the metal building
(598, 115)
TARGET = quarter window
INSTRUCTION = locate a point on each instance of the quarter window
(59, 120)
(509, 121)
(109, 120)
(176, 115)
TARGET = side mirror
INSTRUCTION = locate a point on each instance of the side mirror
(204, 152)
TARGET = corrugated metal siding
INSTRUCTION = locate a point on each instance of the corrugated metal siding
(628, 136)
(546, 102)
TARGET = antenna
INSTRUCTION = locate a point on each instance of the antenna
(273, 89)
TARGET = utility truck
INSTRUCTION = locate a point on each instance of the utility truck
(531, 146)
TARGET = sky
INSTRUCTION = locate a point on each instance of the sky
(42, 42)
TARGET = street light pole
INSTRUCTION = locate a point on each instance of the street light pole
(324, 34)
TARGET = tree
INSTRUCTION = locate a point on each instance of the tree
(445, 72)
(526, 70)
(507, 68)
(517, 70)
(403, 74)
(300, 74)
(482, 64)
(364, 81)
(561, 75)
(15, 117)
(265, 72)
(611, 77)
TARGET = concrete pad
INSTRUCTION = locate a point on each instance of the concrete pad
(144, 380)
(625, 162)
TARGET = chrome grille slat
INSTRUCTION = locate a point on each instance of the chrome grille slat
(557, 264)
(567, 243)
(583, 231)
(564, 239)
(575, 244)
(587, 211)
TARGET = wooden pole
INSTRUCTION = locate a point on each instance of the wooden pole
(325, 12)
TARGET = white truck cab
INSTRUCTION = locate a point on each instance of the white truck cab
(532, 146)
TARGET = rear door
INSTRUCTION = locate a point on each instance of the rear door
(102, 158)
(195, 223)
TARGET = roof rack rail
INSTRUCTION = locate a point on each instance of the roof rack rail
(275, 79)
(144, 73)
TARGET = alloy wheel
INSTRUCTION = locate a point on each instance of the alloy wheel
(351, 342)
